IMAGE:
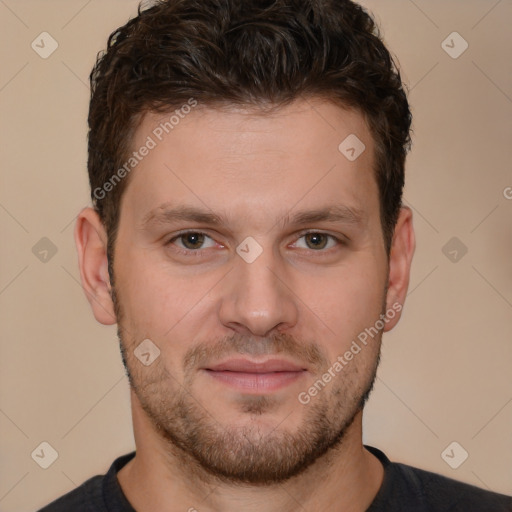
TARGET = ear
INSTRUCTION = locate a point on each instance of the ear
(91, 244)
(402, 251)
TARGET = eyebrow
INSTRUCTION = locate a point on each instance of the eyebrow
(167, 214)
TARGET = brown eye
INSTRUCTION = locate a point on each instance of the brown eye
(316, 240)
(192, 240)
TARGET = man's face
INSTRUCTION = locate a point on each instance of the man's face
(249, 312)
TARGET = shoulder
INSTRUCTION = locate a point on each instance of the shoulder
(85, 498)
(407, 488)
(100, 493)
(445, 494)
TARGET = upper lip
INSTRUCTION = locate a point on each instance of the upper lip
(248, 366)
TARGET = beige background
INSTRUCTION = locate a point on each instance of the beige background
(446, 369)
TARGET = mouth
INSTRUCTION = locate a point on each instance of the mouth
(256, 377)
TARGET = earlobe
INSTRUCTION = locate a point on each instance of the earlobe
(402, 251)
(91, 244)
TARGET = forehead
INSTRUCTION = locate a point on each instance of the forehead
(248, 161)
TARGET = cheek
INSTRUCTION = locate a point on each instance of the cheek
(143, 294)
(158, 302)
(352, 294)
(344, 305)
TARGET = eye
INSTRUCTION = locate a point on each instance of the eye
(319, 241)
(194, 242)
(191, 241)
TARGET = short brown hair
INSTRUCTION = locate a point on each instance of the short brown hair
(245, 52)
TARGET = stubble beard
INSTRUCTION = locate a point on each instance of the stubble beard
(246, 454)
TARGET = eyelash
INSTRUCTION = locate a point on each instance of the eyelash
(199, 252)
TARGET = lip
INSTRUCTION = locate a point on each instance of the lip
(249, 366)
(256, 376)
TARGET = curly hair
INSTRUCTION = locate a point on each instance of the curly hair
(252, 53)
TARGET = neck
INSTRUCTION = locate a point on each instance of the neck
(162, 478)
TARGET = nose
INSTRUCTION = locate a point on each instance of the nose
(258, 297)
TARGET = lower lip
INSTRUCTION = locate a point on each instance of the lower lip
(256, 382)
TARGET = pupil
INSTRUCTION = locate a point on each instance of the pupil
(193, 239)
(317, 236)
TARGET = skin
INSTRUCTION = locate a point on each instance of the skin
(300, 300)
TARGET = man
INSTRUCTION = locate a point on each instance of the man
(246, 162)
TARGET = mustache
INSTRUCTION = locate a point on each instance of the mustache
(279, 343)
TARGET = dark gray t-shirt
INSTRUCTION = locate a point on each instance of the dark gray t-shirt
(404, 489)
